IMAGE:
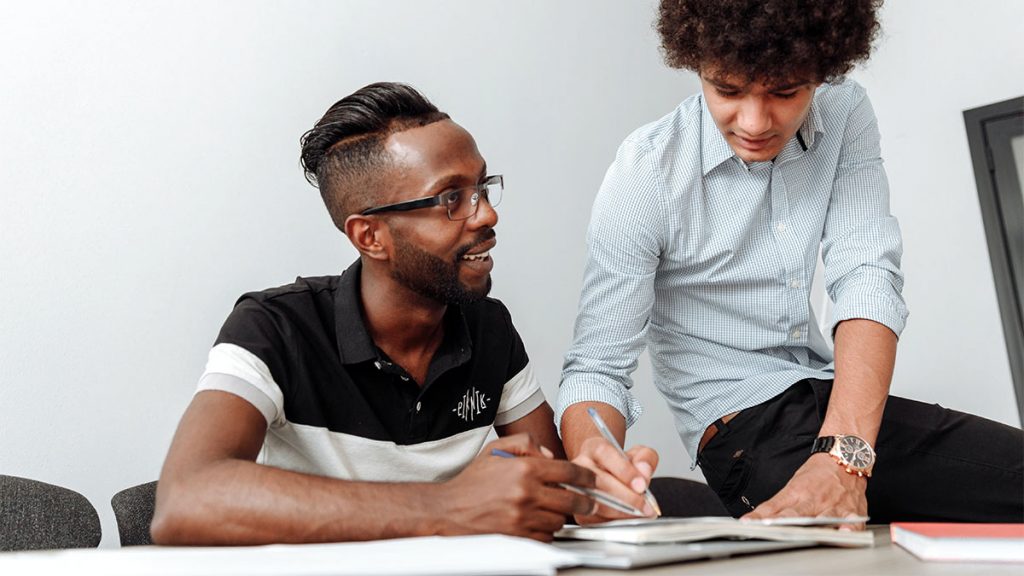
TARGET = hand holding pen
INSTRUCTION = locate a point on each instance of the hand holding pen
(596, 495)
(519, 496)
(603, 429)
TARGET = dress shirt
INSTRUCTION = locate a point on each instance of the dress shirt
(708, 260)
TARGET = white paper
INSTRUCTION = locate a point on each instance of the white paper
(488, 554)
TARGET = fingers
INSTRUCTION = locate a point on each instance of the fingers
(599, 454)
(644, 459)
(564, 502)
(539, 487)
(560, 471)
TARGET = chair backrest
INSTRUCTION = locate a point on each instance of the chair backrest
(133, 508)
(684, 498)
(39, 516)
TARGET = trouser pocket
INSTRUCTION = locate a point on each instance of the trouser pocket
(735, 482)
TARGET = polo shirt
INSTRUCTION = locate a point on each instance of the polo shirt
(335, 403)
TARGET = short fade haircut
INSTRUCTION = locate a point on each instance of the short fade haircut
(770, 41)
(343, 154)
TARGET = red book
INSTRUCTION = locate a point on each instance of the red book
(955, 542)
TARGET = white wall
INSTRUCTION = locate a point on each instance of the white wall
(935, 60)
(149, 175)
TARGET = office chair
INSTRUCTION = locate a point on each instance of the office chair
(682, 498)
(133, 508)
(39, 516)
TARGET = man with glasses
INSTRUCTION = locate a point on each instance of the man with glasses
(355, 407)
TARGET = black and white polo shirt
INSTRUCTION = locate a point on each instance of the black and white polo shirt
(337, 406)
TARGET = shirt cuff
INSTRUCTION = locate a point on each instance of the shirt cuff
(242, 389)
(871, 298)
(237, 362)
(520, 410)
(574, 390)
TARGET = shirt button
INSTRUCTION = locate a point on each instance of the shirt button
(795, 334)
(781, 227)
(418, 406)
(794, 283)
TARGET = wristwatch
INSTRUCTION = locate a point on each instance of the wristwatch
(850, 451)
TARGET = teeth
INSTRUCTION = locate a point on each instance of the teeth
(480, 256)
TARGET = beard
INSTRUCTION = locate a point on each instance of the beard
(433, 277)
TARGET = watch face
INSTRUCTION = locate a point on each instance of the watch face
(856, 452)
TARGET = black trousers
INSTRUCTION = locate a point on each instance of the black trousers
(933, 464)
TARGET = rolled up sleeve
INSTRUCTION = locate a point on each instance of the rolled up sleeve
(862, 245)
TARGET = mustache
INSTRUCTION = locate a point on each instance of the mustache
(480, 239)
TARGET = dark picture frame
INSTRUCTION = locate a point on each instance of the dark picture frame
(991, 131)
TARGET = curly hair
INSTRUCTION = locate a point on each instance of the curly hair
(768, 40)
(343, 154)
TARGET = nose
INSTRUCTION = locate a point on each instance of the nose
(486, 216)
(754, 117)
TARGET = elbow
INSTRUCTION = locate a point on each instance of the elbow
(168, 526)
(174, 521)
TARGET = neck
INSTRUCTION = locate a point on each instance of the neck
(403, 323)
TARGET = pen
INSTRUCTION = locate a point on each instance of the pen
(601, 497)
(603, 429)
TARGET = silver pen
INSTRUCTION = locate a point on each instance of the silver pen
(603, 429)
(596, 495)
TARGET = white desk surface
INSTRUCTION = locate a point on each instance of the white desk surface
(884, 558)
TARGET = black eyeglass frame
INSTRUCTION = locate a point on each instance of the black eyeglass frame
(479, 192)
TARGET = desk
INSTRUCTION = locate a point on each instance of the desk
(884, 558)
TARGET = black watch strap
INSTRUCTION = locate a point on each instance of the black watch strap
(823, 444)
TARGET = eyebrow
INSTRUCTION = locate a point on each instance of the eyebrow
(718, 83)
(454, 179)
(790, 86)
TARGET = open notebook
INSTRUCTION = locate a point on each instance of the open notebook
(645, 542)
(599, 554)
(676, 530)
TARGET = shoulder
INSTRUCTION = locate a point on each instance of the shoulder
(300, 289)
(680, 128)
(837, 99)
(306, 301)
(295, 296)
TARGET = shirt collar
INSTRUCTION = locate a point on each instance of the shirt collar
(812, 125)
(354, 342)
(715, 149)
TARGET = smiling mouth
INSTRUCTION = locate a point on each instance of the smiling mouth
(481, 257)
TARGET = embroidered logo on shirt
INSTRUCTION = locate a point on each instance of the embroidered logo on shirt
(472, 404)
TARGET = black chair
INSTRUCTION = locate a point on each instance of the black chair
(39, 516)
(683, 498)
(133, 508)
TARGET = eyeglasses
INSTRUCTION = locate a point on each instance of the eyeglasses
(461, 203)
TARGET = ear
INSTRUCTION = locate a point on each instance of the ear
(371, 236)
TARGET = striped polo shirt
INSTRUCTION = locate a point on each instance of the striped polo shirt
(337, 406)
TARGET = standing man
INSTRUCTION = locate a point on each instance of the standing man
(702, 246)
(354, 407)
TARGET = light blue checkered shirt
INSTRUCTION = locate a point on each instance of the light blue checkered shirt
(708, 261)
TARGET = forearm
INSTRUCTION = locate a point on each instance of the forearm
(539, 424)
(865, 353)
(240, 502)
(577, 427)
